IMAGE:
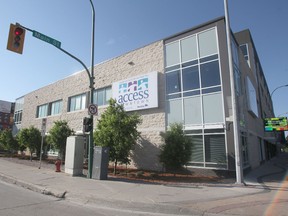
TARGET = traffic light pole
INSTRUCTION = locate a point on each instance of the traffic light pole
(91, 78)
(57, 44)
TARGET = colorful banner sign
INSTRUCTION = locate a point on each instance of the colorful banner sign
(137, 93)
(276, 124)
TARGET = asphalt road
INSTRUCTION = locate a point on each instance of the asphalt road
(15, 200)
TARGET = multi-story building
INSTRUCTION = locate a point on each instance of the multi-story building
(6, 114)
(183, 78)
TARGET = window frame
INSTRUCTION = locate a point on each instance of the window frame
(82, 102)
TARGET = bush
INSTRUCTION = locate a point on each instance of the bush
(177, 148)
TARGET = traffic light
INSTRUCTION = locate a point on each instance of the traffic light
(87, 124)
(16, 39)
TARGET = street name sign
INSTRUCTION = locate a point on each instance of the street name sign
(47, 39)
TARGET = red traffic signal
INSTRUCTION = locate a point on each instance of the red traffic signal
(18, 31)
(16, 39)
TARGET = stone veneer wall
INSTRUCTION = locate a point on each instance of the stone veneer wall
(146, 59)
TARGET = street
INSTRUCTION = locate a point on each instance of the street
(265, 193)
(15, 200)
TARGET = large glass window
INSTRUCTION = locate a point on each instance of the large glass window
(215, 148)
(208, 150)
(172, 54)
(77, 102)
(251, 97)
(197, 150)
(192, 110)
(207, 43)
(194, 96)
(190, 78)
(210, 75)
(173, 82)
(174, 111)
(19, 103)
(189, 49)
(245, 158)
(213, 108)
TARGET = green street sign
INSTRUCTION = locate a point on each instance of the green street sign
(47, 39)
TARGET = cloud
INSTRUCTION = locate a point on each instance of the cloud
(111, 41)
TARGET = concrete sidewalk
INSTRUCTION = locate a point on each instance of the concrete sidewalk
(175, 199)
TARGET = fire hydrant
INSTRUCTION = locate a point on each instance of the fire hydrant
(58, 165)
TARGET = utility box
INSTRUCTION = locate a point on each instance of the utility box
(100, 163)
(74, 155)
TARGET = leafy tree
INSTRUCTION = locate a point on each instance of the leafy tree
(177, 149)
(58, 135)
(286, 144)
(7, 141)
(30, 138)
(117, 130)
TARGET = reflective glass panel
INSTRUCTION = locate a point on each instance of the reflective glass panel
(207, 43)
(213, 108)
(210, 75)
(174, 111)
(192, 110)
(172, 54)
(173, 82)
(190, 78)
(188, 49)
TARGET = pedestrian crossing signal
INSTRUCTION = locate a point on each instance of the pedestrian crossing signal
(16, 39)
(87, 124)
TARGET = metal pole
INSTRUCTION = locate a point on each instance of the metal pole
(42, 140)
(278, 88)
(238, 161)
(91, 142)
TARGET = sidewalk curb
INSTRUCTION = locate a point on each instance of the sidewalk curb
(32, 187)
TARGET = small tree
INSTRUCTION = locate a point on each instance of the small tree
(286, 144)
(30, 138)
(177, 149)
(7, 141)
(117, 130)
(58, 135)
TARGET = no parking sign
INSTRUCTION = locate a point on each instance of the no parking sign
(92, 109)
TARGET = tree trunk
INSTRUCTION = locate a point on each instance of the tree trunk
(115, 167)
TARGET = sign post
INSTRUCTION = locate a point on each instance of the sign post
(91, 77)
(43, 130)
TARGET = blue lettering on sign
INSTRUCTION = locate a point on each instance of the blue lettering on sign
(133, 91)
(124, 98)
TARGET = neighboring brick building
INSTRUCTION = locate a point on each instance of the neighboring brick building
(6, 114)
(187, 79)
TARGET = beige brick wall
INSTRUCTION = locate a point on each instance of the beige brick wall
(145, 60)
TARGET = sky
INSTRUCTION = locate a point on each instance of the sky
(125, 25)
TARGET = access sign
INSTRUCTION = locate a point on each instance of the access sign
(47, 39)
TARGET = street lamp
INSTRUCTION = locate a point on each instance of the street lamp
(238, 161)
(91, 78)
(282, 114)
(278, 88)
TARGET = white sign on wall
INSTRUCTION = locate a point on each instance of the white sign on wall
(137, 93)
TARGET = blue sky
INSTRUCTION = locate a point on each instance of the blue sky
(125, 25)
